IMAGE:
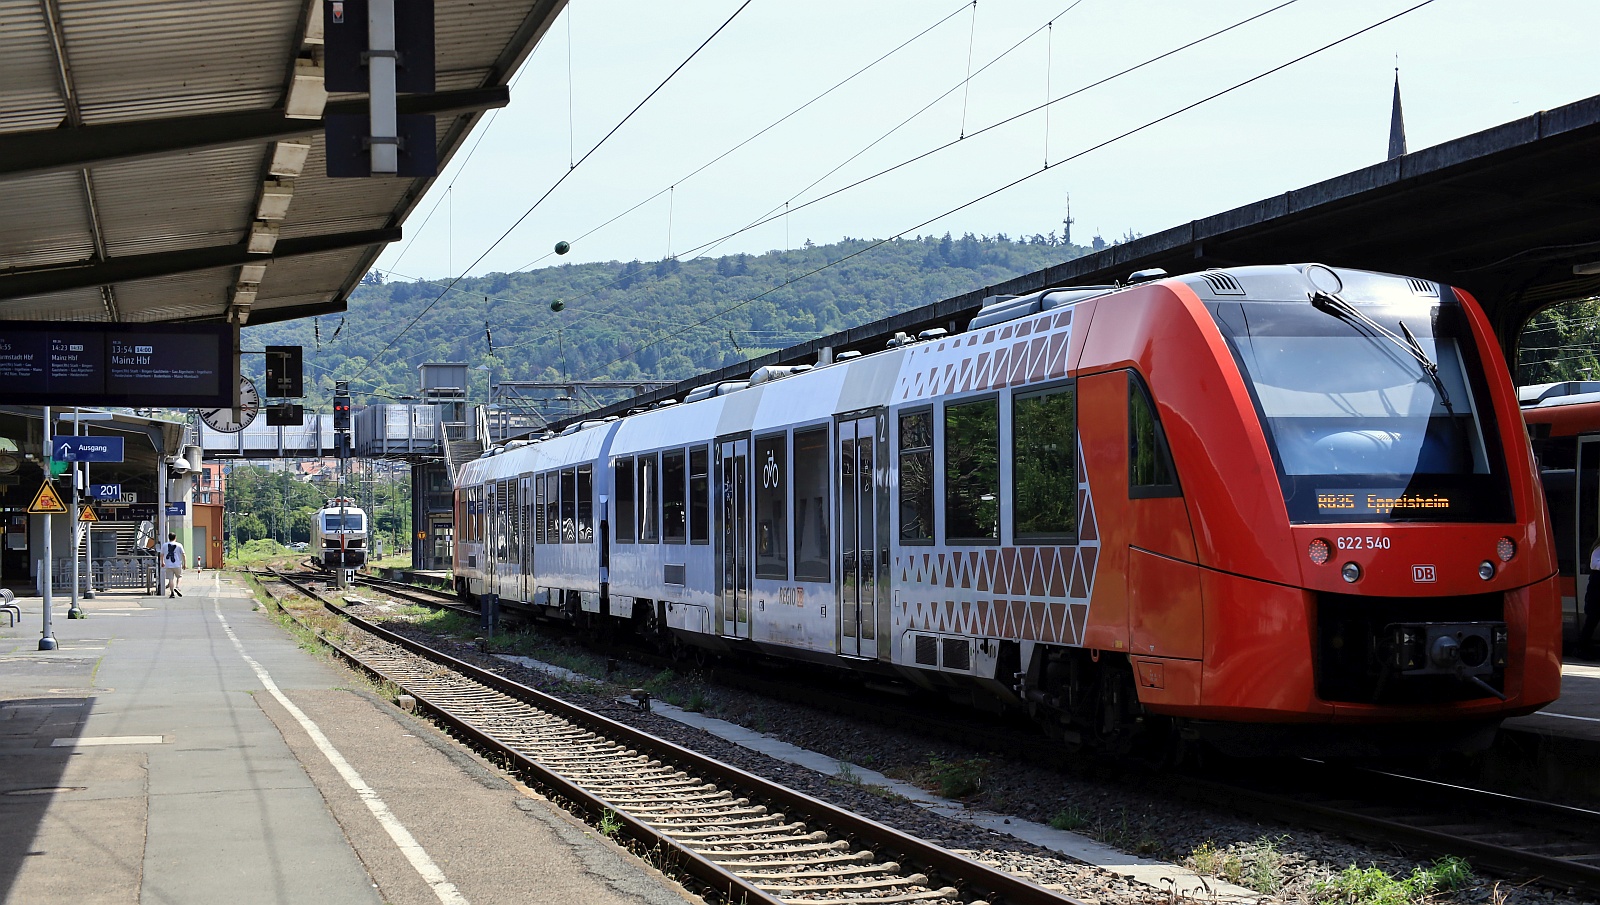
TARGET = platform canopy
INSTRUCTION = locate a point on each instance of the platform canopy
(164, 161)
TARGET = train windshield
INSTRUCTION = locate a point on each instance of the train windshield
(1373, 412)
(348, 521)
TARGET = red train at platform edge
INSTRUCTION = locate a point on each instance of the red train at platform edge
(1279, 508)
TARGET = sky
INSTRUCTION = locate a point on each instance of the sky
(1465, 66)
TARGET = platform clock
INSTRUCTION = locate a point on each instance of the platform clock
(223, 419)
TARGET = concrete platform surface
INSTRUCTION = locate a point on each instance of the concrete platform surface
(189, 751)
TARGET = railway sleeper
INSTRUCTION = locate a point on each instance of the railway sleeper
(679, 802)
(676, 786)
(846, 869)
(782, 836)
(847, 886)
(624, 787)
(945, 893)
(669, 822)
(764, 820)
(810, 862)
(676, 810)
(732, 833)
(775, 852)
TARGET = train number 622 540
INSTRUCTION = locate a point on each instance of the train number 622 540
(1368, 542)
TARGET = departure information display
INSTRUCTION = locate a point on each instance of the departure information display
(1382, 501)
(165, 365)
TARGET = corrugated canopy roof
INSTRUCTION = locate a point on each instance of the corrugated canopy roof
(140, 138)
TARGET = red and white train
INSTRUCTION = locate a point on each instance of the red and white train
(1564, 423)
(1278, 507)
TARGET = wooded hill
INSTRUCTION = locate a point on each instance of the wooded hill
(666, 319)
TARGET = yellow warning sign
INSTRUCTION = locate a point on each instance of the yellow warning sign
(87, 515)
(46, 501)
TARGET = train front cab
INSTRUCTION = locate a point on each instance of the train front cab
(1230, 614)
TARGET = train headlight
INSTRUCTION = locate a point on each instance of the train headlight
(1350, 572)
(1486, 570)
(1506, 548)
(1318, 551)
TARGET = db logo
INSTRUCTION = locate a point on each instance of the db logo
(1423, 574)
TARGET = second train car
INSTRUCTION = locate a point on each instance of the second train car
(1278, 507)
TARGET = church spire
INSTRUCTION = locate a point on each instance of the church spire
(1397, 123)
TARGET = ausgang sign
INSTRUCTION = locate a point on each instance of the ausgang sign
(166, 365)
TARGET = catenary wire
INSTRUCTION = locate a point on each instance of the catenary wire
(774, 213)
(554, 186)
(764, 130)
(1012, 184)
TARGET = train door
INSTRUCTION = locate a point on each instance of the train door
(525, 537)
(862, 535)
(493, 546)
(733, 537)
(1586, 507)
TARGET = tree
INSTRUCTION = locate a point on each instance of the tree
(1560, 343)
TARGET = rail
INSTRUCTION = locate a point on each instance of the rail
(718, 848)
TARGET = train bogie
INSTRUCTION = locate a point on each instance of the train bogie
(1283, 495)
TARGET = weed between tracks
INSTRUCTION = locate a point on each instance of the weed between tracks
(1261, 865)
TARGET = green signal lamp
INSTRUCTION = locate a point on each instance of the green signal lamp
(58, 468)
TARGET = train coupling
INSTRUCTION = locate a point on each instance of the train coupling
(1470, 651)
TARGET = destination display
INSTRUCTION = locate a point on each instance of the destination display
(166, 365)
(1381, 501)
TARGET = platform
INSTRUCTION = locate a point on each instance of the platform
(189, 751)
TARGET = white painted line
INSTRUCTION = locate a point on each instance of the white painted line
(1568, 716)
(100, 741)
(408, 845)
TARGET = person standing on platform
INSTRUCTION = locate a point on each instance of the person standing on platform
(1591, 600)
(172, 561)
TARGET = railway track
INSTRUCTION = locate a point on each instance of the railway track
(413, 594)
(1558, 844)
(742, 836)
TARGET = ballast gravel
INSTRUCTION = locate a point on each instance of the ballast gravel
(1283, 863)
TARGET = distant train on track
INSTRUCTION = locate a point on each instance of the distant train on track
(1280, 508)
(339, 535)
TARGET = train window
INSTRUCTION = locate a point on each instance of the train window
(1150, 471)
(772, 520)
(916, 477)
(569, 506)
(623, 524)
(509, 537)
(811, 543)
(699, 495)
(540, 522)
(972, 471)
(1044, 481)
(585, 504)
(649, 499)
(552, 507)
(674, 529)
(512, 522)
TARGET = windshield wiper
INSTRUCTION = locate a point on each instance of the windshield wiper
(1340, 308)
